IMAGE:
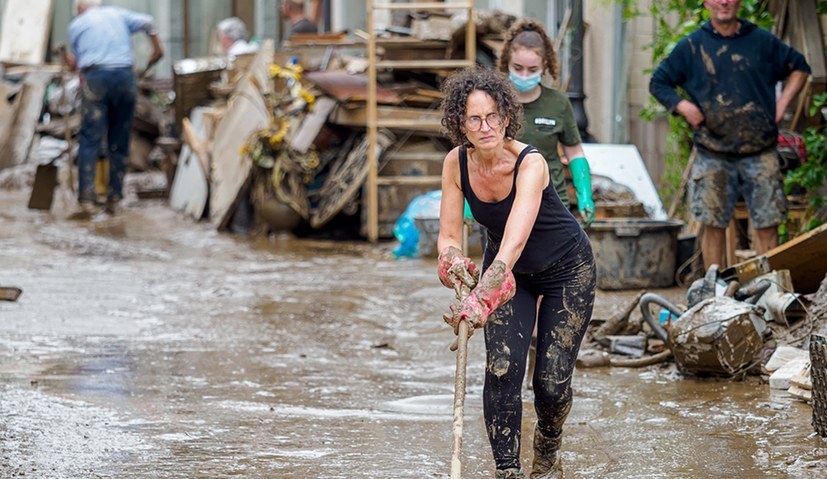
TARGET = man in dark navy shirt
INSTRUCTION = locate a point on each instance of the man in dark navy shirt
(729, 69)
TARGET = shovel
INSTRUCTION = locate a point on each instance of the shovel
(459, 383)
(459, 393)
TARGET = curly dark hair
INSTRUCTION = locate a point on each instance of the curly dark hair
(455, 93)
(528, 33)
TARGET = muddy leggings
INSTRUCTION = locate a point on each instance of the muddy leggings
(567, 288)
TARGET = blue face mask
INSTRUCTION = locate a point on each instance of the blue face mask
(524, 84)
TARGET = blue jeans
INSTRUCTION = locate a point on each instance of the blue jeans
(108, 105)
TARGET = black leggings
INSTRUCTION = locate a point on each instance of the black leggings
(567, 288)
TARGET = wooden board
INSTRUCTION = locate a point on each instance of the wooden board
(190, 189)
(28, 109)
(8, 110)
(807, 20)
(24, 33)
(246, 114)
(344, 87)
(414, 119)
(311, 125)
(805, 257)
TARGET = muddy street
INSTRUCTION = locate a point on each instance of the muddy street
(147, 346)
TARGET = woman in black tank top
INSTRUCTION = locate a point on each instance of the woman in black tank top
(535, 249)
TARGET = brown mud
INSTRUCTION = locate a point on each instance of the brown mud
(148, 346)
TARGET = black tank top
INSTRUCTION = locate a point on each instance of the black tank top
(555, 230)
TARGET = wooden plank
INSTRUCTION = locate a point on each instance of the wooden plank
(25, 31)
(731, 241)
(423, 6)
(190, 187)
(415, 119)
(813, 38)
(8, 111)
(805, 257)
(246, 113)
(409, 180)
(372, 197)
(425, 64)
(22, 129)
(311, 125)
(346, 87)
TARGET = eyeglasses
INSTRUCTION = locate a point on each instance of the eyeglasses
(474, 123)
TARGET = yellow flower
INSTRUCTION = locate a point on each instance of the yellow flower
(308, 97)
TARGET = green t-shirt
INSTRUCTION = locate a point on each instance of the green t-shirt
(550, 119)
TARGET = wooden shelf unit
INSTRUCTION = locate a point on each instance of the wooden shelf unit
(374, 122)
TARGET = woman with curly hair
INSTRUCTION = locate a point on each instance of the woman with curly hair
(549, 119)
(534, 248)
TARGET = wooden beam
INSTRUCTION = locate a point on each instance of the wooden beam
(416, 119)
(805, 257)
(409, 180)
(809, 25)
(373, 157)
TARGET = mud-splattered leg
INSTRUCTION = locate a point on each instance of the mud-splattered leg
(507, 337)
(563, 318)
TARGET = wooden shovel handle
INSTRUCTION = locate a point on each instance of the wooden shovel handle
(459, 394)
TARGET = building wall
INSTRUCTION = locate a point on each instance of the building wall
(169, 16)
(616, 83)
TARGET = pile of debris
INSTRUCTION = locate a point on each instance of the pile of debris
(765, 317)
(287, 149)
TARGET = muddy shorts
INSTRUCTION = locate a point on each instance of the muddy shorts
(717, 184)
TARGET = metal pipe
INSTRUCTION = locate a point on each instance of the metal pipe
(575, 90)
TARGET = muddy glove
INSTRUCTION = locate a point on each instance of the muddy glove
(496, 287)
(456, 270)
(581, 177)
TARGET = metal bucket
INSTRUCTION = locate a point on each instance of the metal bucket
(633, 253)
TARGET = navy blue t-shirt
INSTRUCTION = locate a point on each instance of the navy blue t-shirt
(732, 80)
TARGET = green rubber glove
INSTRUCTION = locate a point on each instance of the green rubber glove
(582, 178)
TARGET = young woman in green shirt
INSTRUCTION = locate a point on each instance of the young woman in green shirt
(549, 119)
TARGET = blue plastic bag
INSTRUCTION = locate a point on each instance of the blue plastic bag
(423, 206)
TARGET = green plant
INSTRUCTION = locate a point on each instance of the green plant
(675, 19)
(812, 175)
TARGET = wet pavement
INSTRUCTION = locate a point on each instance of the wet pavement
(149, 346)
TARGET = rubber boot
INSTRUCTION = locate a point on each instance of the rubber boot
(509, 474)
(547, 462)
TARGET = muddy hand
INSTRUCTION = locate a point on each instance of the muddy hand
(456, 270)
(496, 288)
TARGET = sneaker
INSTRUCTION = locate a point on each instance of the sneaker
(509, 474)
(86, 210)
(112, 207)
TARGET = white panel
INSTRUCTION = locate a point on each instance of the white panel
(24, 33)
(623, 164)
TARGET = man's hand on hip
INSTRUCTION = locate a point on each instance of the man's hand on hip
(691, 112)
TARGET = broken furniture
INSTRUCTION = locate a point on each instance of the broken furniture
(805, 257)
